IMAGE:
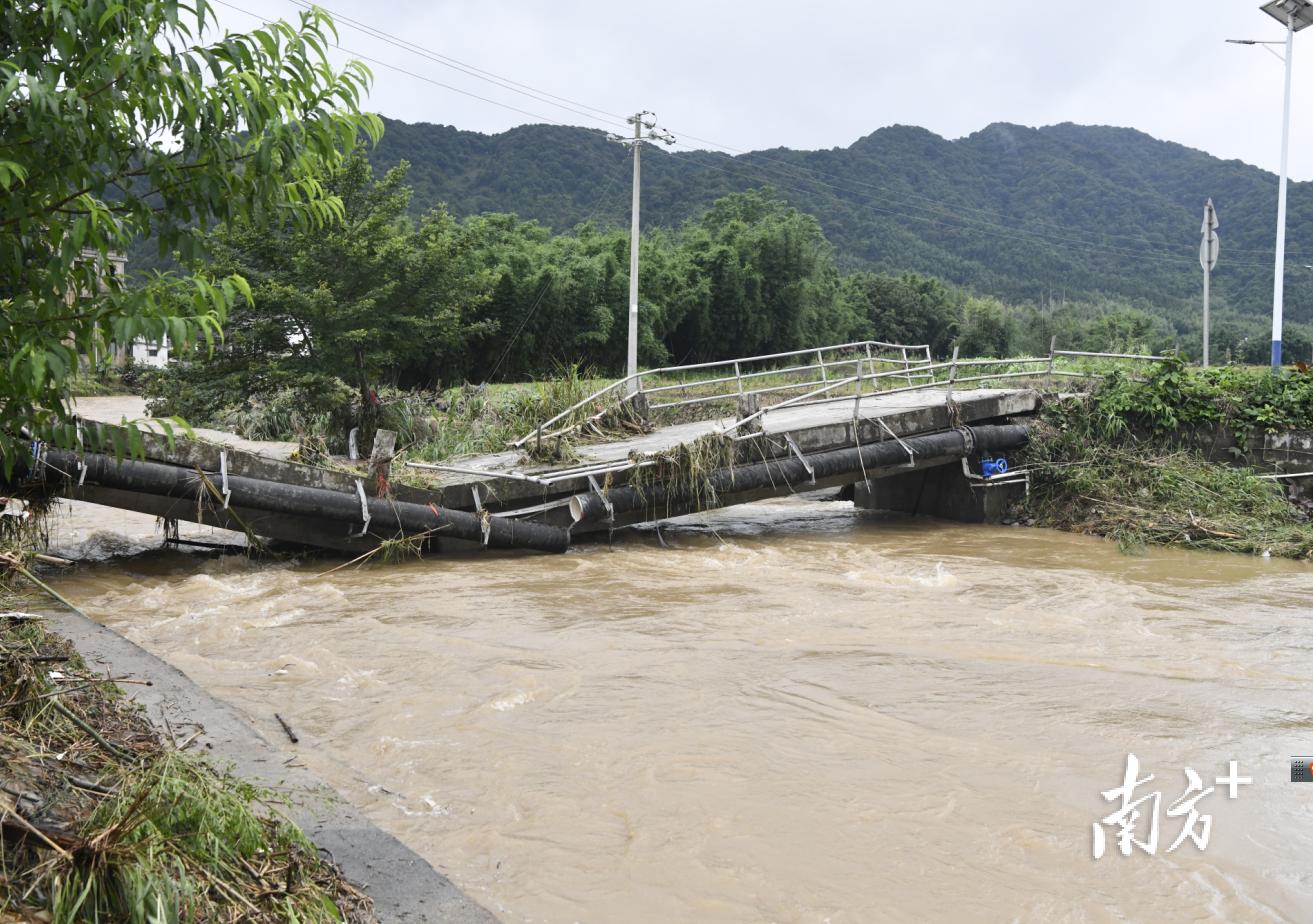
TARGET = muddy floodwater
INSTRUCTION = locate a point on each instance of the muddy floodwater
(791, 711)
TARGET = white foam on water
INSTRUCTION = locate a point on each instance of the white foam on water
(355, 679)
(432, 808)
(937, 578)
(389, 743)
(103, 545)
(507, 703)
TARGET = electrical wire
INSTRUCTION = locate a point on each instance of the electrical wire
(547, 284)
(465, 68)
(438, 83)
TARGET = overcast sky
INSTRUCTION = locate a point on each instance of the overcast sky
(752, 75)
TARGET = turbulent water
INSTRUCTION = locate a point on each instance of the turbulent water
(790, 711)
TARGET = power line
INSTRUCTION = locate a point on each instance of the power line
(543, 96)
(547, 97)
(478, 73)
(547, 284)
(438, 83)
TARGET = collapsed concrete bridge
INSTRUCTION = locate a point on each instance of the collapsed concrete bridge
(884, 421)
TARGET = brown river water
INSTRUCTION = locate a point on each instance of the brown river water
(792, 711)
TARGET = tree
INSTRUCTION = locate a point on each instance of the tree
(985, 328)
(373, 299)
(770, 273)
(1126, 330)
(121, 120)
(903, 309)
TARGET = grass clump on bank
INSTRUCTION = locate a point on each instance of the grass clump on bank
(1112, 463)
(101, 820)
(471, 420)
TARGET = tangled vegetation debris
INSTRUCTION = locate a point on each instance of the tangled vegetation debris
(101, 820)
(1113, 462)
(685, 470)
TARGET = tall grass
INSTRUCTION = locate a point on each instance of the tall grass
(471, 420)
(122, 827)
(1090, 474)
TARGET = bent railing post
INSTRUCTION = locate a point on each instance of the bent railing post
(952, 375)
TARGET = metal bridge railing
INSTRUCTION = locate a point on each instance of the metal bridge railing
(888, 368)
(908, 361)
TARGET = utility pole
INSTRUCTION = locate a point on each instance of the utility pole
(645, 130)
(1208, 247)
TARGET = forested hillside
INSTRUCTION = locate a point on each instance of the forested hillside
(1024, 214)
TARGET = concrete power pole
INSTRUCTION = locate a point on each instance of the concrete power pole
(645, 129)
(1208, 247)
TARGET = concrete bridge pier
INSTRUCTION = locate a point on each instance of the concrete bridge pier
(943, 491)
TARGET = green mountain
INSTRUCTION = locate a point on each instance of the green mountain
(1025, 214)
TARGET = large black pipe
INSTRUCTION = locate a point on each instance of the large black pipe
(846, 464)
(386, 516)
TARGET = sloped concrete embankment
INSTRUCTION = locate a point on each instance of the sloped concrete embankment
(402, 885)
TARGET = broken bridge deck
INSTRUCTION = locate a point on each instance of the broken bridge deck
(508, 485)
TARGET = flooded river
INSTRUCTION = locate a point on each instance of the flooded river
(793, 711)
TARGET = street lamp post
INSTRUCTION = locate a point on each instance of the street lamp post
(1294, 15)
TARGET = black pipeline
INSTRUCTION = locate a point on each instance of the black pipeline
(387, 516)
(838, 464)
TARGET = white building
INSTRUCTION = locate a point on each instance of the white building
(143, 352)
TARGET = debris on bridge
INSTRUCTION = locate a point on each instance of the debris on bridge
(663, 443)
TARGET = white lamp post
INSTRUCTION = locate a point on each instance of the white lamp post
(1294, 15)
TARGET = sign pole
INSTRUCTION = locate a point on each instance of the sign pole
(1206, 275)
(1208, 247)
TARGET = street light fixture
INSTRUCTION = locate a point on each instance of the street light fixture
(1294, 15)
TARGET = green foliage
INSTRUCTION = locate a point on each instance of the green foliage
(477, 419)
(374, 299)
(173, 832)
(1174, 395)
(120, 121)
(770, 280)
(985, 328)
(1006, 211)
(385, 301)
(1142, 491)
(1111, 463)
(902, 309)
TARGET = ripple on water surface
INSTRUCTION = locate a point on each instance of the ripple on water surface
(788, 711)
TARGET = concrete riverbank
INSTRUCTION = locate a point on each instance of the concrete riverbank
(403, 886)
